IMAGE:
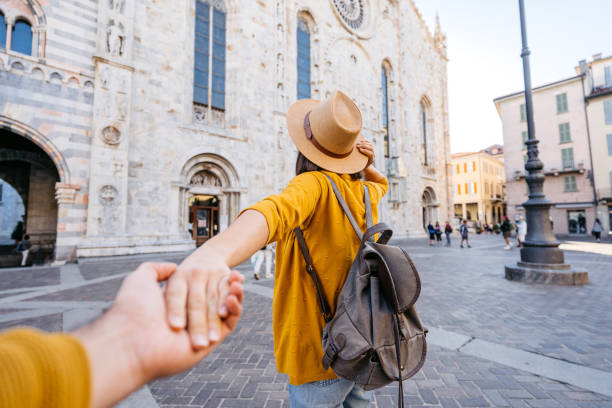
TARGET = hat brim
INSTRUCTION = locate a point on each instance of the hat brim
(353, 163)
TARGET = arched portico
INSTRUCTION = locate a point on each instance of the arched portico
(430, 206)
(209, 194)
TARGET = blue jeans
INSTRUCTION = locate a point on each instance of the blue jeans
(336, 393)
(448, 238)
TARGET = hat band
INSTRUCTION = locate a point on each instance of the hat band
(310, 136)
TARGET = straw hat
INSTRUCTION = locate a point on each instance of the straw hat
(326, 132)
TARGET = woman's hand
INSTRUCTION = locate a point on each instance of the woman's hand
(366, 148)
(196, 298)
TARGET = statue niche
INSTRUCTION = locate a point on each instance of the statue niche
(115, 38)
(205, 179)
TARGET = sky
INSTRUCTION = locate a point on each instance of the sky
(484, 47)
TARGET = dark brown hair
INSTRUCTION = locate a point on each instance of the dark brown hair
(303, 165)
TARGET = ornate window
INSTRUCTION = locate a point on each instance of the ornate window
(303, 60)
(209, 56)
(2, 31)
(22, 37)
(385, 110)
(423, 123)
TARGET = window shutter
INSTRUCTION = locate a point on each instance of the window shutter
(2, 32)
(608, 74)
(609, 137)
(22, 38)
(202, 53)
(562, 103)
(523, 109)
(564, 133)
(525, 138)
(608, 111)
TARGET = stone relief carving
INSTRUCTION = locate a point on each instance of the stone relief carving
(122, 106)
(104, 108)
(105, 78)
(116, 5)
(111, 135)
(200, 114)
(115, 38)
(108, 195)
(205, 179)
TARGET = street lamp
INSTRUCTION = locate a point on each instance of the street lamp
(542, 260)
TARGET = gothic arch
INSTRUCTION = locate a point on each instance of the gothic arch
(213, 163)
(41, 141)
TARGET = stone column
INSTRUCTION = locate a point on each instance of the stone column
(9, 34)
(67, 236)
(112, 106)
(463, 211)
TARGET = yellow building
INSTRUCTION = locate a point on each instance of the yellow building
(478, 185)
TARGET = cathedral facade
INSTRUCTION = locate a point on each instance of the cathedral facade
(131, 126)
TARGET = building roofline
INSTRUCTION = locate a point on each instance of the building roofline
(551, 84)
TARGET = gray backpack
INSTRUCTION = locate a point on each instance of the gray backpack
(376, 336)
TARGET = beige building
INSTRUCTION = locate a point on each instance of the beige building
(598, 84)
(562, 129)
(132, 126)
(478, 185)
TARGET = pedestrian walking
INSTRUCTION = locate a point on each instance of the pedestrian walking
(432, 233)
(463, 230)
(448, 230)
(521, 231)
(506, 229)
(438, 231)
(307, 204)
(24, 247)
(17, 234)
(596, 230)
(264, 255)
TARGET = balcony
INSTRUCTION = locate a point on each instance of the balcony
(604, 194)
(496, 197)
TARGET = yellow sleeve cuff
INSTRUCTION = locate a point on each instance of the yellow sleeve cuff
(43, 370)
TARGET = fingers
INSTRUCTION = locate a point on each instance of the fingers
(176, 299)
(197, 306)
(217, 287)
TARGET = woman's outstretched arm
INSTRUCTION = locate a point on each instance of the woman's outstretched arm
(195, 296)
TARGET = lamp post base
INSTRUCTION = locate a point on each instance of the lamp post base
(552, 274)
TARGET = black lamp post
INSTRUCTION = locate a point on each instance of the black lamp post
(542, 260)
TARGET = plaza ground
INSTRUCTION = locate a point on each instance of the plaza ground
(492, 343)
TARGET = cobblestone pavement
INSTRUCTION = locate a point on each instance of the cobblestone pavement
(463, 292)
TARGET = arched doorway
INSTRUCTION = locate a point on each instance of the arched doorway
(430, 206)
(209, 196)
(32, 175)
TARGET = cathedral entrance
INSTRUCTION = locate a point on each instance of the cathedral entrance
(204, 218)
(430, 207)
(28, 205)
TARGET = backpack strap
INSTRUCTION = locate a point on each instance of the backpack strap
(345, 208)
(368, 206)
(310, 269)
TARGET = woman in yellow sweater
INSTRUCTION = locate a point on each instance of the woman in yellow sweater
(327, 135)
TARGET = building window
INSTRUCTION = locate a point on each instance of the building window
(562, 103)
(209, 85)
(570, 183)
(523, 112)
(474, 166)
(475, 188)
(576, 222)
(21, 40)
(525, 158)
(609, 137)
(525, 136)
(608, 111)
(564, 133)
(459, 189)
(567, 157)
(385, 110)
(608, 75)
(467, 191)
(2, 31)
(486, 188)
(458, 169)
(423, 117)
(303, 60)
(465, 167)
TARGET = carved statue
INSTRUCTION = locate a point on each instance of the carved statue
(116, 5)
(108, 194)
(205, 179)
(115, 38)
(111, 135)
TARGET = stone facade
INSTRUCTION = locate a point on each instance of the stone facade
(109, 97)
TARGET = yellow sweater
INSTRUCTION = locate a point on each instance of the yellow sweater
(42, 370)
(309, 202)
